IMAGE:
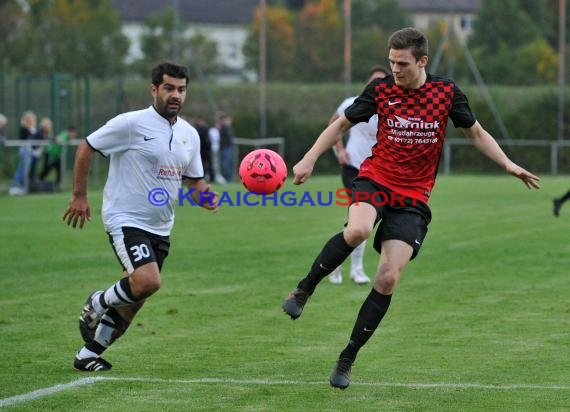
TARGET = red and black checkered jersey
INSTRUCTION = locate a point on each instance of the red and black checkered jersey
(411, 131)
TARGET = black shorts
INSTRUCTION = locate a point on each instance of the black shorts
(401, 218)
(349, 173)
(136, 247)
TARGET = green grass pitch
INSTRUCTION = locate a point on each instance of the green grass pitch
(480, 320)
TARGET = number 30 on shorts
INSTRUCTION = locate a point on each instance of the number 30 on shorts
(139, 252)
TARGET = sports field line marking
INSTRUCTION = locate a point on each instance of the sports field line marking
(91, 380)
(377, 384)
(48, 391)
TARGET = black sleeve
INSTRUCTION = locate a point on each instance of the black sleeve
(365, 106)
(461, 114)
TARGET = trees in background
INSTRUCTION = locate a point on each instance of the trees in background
(10, 14)
(513, 41)
(281, 44)
(305, 42)
(319, 42)
(157, 43)
(372, 23)
(77, 37)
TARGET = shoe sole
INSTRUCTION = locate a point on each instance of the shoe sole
(291, 301)
(292, 315)
(102, 361)
(87, 334)
(340, 376)
(339, 386)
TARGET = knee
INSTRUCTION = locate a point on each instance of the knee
(143, 287)
(386, 285)
(387, 279)
(356, 235)
(153, 285)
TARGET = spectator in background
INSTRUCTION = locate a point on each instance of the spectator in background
(215, 137)
(52, 155)
(226, 146)
(3, 123)
(45, 132)
(205, 147)
(28, 123)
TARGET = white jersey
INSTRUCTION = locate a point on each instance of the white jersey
(214, 136)
(146, 153)
(361, 137)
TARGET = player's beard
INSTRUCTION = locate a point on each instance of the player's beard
(169, 109)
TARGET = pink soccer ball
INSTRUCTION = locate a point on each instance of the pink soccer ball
(263, 171)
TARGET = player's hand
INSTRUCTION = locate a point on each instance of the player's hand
(302, 171)
(530, 180)
(342, 157)
(209, 200)
(78, 211)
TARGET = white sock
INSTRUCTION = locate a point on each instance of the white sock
(104, 331)
(97, 304)
(85, 353)
(357, 257)
(119, 294)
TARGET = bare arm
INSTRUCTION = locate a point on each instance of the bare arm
(332, 134)
(487, 145)
(338, 148)
(79, 209)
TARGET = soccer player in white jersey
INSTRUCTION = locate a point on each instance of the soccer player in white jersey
(152, 152)
(361, 138)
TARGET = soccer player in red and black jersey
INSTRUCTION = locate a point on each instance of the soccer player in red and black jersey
(394, 184)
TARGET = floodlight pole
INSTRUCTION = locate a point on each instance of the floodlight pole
(347, 45)
(262, 68)
(176, 40)
(561, 66)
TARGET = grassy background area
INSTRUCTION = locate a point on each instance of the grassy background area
(479, 320)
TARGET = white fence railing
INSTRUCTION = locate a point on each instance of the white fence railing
(554, 149)
(249, 144)
(43, 143)
(554, 145)
(252, 144)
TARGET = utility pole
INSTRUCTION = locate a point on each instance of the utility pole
(262, 68)
(347, 45)
(561, 66)
(176, 34)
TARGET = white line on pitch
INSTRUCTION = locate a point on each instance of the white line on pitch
(48, 391)
(377, 384)
(90, 380)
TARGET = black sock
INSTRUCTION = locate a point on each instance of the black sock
(371, 313)
(112, 327)
(95, 347)
(335, 251)
(119, 324)
(565, 197)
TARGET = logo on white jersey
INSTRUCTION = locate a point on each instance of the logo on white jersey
(169, 172)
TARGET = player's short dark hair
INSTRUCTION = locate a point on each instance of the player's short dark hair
(377, 68)
(409, 38)
(172, 69)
